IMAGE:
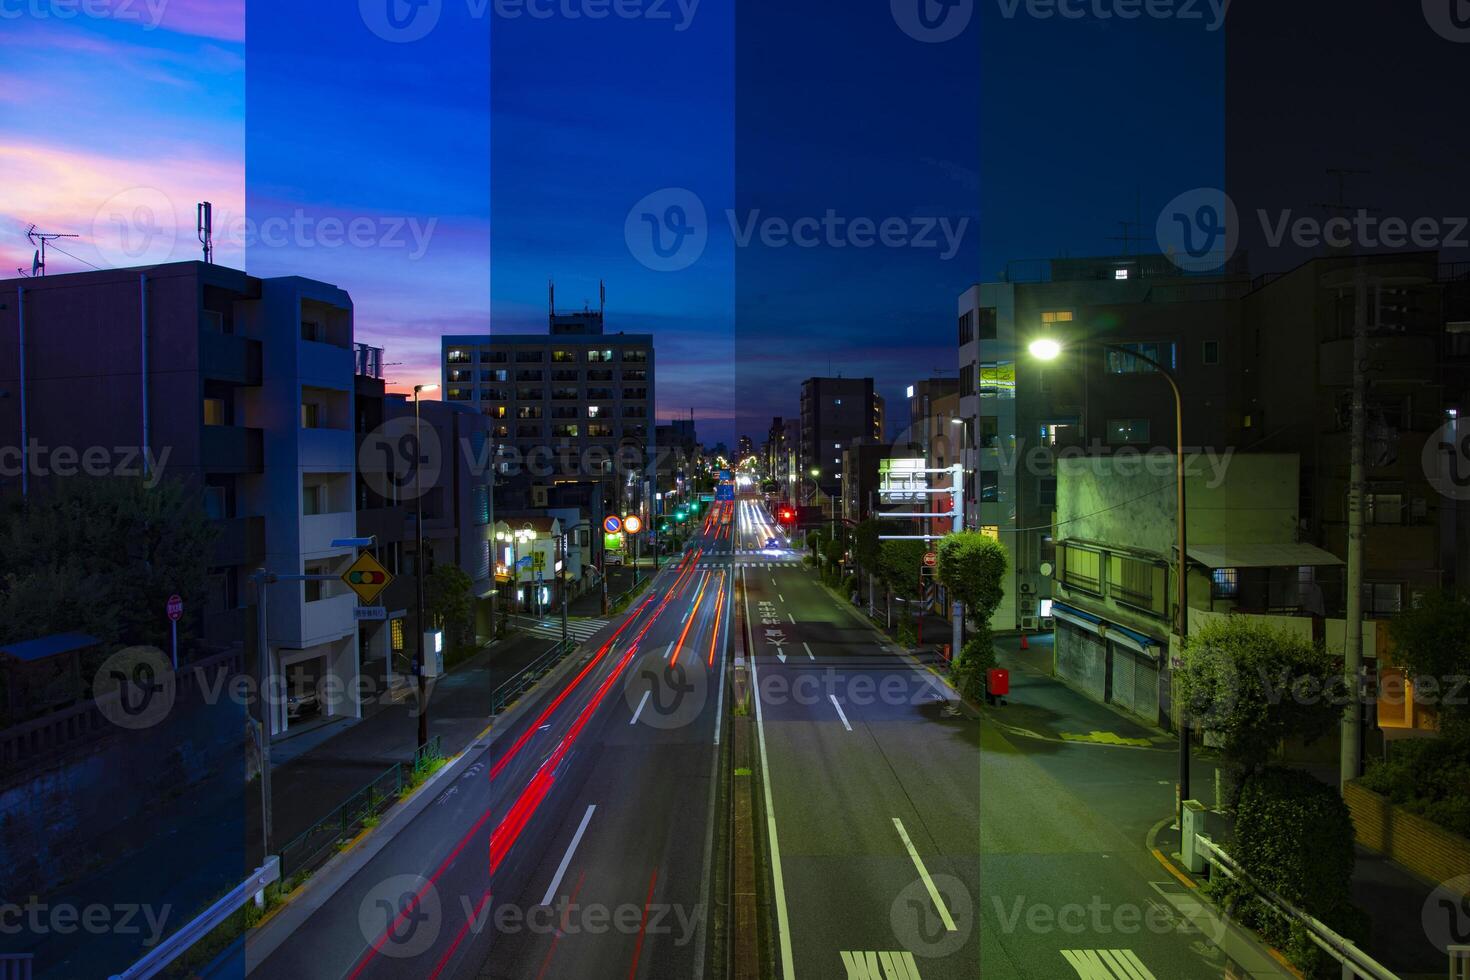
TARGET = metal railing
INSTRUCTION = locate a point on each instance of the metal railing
(1355, 962)
(161, 956)
(508, 693)
(309, 849)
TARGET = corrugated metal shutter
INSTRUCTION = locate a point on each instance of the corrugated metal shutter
(1122, 676)
(1082, 659)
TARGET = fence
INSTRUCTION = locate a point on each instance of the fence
(507, 694)
(311, 847)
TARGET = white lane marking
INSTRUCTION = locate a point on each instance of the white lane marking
(840, 713)
(792, 618)
(634, 719)
(720, 660)
(809, 654)
(779, 595)
(783, 922)
(1107, 964)
(880, 965)
(924, 874)
(773, 581)
(669, 650)
(566, 859)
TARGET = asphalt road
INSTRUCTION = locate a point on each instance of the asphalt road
(913, 842)
(577, 844)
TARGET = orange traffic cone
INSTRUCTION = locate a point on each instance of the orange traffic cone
(1024, 644)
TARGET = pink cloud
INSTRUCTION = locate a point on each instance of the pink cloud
(221, 19)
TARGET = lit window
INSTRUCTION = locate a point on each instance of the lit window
(1120, 274)
(1226, 583)
(214, 411)
(1056, 316)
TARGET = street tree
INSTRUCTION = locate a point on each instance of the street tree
(1432, 644)
(449, 601)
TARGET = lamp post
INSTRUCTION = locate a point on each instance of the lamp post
(418, 560)
(1049, 349)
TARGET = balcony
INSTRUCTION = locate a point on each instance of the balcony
(230, 358)
(232, 449)
(1391, 357)
(318, 531)
(241, 541)
(328, 449)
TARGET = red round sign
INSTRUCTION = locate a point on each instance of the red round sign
(931, 558)
(175, 608)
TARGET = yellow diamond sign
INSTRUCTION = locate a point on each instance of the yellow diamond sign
(367, 577)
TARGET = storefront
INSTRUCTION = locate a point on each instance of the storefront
(1108, 661)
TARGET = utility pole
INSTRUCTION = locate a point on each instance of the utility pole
(1352, 658)
(262, 679)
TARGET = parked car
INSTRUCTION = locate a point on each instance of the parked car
(301, 704)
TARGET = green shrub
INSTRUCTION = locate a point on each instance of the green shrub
(1429, 777)
(907, 637)
(969, 669)
(1294, 836)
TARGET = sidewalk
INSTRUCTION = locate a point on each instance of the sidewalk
(1043, 707)
(338, 759)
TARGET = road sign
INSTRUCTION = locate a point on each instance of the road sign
(632, 524)
(369, 613)
(612, 523)
(931, 558)
(538, 561)
(175, 608)
(367, 577)
(707, 498)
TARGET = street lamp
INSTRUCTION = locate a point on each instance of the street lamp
(1049, 349)
(418, 557)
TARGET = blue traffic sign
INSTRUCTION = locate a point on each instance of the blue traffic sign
(612, 524)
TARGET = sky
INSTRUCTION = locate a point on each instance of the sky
(713, 164)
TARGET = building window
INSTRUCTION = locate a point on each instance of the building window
(1210, 353)
(314, 499)
(989, 432)
(1120, 275)
(563, 356)
(311, 415)
(528, 432)
(457, 394)
(1128, 432)
(635, 394)
(1135, 582)
(635, 356)
(565, 394)
(495, 411)
(1383, 508)
(495, 394)
(497, 375)
(529, 394)
(599, 356)
(313, 330)
(1056, 316)
(1225, 583)
(458, 355)
(1382, 599)
(1079, 569)
(1124, 361)
(491, 357)
(530, 356)
(565, 431)
(629, 374)
(529, 375)
(989, 486)
(461, 374)
(528, 412)
(214, 412)
(599, 431)
(967, 327)
(987, 322)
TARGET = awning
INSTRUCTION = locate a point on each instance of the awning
(1076, 617)
(1132, 639)
(1261, 555)
(30, 651)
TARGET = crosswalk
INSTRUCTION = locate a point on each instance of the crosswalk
(771, 563)
(580, 630)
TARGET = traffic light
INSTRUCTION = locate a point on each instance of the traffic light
(787, 515)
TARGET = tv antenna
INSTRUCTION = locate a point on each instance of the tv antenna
(204, 213)
(40, 238)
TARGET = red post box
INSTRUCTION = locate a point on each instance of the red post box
(999, 681)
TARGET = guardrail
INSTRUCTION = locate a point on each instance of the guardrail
(1355, 962)
(161, 956)
(506, 694)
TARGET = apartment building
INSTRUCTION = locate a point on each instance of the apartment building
(238, 386)
(573, 404)
(835, 412)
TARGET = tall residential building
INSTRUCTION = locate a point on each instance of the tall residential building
(568, 405)
(240, 387)
(835, 412)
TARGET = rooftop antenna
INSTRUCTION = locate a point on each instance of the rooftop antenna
(38, 263)
(204, 214)
(601, 297)
(1340, 206)
(551, 296)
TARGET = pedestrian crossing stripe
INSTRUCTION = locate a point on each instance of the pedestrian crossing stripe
(579, 629)
(880, 965)
(1107, 964)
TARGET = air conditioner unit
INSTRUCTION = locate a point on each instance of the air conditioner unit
(1028, 623)
(1027, 588)
(1048, 622)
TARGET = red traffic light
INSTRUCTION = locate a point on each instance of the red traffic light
(787, 515)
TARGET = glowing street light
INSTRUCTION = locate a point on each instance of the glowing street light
(1045, 349)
